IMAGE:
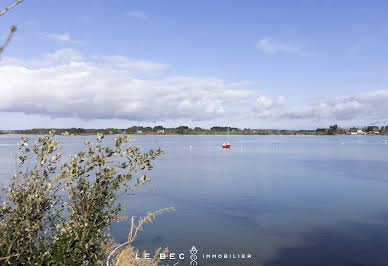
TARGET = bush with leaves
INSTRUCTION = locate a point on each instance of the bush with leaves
(59, 212)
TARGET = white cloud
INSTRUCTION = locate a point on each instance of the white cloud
(139, 14)
(66, 84)
(264, 103)
(135, 65)
(63, 55)
(366, 106)
(268, 46)
(65, 37)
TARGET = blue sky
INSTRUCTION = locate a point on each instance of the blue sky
(260, 64)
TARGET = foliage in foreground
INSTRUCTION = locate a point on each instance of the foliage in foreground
(57, 211)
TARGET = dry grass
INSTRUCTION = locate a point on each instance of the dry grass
(125, 254)
(128, 257)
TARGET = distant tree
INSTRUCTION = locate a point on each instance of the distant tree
(333, 130)
(182, 130)
(371, 128)
(134, 129)
(157, 128)
(77, 130)
(147, 129)
(219, 129)
(321, 130)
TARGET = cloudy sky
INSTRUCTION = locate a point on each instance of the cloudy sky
(259, 64)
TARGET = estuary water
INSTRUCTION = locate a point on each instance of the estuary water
(286, 200)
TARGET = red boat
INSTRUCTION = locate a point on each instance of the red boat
(226, 145)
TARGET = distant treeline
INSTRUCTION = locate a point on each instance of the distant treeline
(370, 130)
(185, 130)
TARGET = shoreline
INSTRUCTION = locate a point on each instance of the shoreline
(191, 134)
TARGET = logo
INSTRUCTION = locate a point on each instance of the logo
(193, 256)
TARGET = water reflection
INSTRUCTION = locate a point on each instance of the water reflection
(344, 244)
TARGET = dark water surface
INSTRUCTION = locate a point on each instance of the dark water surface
(287, 200)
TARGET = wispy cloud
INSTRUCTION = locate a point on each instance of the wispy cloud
(371, 105)
(62, 56)
(365, 106)
(268, 46)
(139, 14)
(124, 63)
(65, 37)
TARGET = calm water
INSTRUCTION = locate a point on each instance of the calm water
(287, 200)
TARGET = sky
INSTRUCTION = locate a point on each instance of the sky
(297, 64)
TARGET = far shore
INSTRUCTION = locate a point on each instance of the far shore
(287, 133)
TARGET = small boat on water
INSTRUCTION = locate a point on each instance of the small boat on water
(226, 144)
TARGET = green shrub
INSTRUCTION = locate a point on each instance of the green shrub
(59, 211)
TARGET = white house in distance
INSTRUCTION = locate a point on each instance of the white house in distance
(358, 132)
